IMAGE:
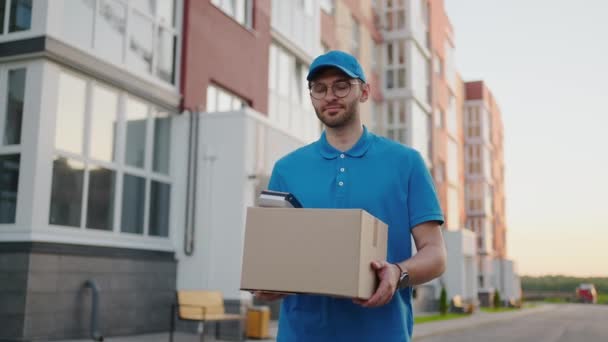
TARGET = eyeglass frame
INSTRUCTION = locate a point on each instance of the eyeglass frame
(349, 81)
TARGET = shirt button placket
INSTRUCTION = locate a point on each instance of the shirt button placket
(341, 181)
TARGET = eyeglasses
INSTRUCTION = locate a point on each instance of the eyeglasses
(339, 89)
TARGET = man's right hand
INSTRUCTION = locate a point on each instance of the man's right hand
(269, 296)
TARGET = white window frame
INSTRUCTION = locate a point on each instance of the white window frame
(175, 30)
(16, 149)
(217, 91)
(247, 22)
(118, 166)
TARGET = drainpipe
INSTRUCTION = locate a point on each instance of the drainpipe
(95, 335)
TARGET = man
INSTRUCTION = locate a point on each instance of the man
(349, 167)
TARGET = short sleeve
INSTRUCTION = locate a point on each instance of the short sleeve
(422, 202)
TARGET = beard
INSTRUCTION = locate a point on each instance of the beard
(338, 120)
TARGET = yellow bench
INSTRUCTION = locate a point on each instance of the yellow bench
(202, 306)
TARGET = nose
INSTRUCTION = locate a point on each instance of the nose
(329, 95)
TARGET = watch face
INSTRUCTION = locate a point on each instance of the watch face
(403, 281)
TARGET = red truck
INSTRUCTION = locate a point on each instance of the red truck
(586, 293)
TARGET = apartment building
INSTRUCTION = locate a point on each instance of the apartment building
(485, 197)
(90, 155)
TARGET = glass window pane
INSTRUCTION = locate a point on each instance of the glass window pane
(100, 204)
(14, 107)
(224, 101)
(70, 113)
(140, 43)
(166, 12)
(400, 19)
(66, 192)
(133, 199)
(9, 181)
(162, 142)
(146, 6)
(135, 149)
(110, 29)
(211, 99)
(389, 53)
(103, 123)
(160, 195)
(284, 72)
(272, 68)
(2, 11)
(165, 54)
(389, 79)
(401, 78)
(21, 15)
(79, 28)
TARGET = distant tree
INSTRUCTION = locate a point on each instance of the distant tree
(561, 283)
(443, 301)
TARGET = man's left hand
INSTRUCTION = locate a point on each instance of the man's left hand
(388, 274)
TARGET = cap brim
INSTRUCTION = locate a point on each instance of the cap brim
(313, 72)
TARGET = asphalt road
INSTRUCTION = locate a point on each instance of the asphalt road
(567, 323)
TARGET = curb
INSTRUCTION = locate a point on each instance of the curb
(479, 322)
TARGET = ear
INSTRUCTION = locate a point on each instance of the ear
(365, 92)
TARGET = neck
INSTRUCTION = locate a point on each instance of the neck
(343, 138)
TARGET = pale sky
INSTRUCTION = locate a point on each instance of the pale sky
(546, 61)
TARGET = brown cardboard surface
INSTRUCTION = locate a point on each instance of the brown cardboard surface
(316, 251)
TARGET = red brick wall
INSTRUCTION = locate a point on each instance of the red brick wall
(219, 50)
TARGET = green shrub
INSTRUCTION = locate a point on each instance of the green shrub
(443, 301)
(497, 301)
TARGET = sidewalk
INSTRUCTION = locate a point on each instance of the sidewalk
(476, 319)
(177, 337)
(420, 330)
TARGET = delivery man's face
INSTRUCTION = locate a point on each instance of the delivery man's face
(336, 97)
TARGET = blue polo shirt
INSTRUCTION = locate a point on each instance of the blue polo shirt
(388, 180)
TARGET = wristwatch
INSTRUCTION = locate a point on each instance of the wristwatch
(404, 278)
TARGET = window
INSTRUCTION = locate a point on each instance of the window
(104, 122)
(141, 44)
(15, 15)
(395, 67)
(9, 181)
(78, 28)
(135, 148)
(12, 101)
(14, 107)
(220, 100)
(239, 10)
(133, 200)
(396, 120)
(472, 122)
(88, 184)
(70, 113)
(394, 16)
(289, 103)
(140, 34)
(110, 29)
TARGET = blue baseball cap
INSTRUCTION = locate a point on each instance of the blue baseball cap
(337, 59)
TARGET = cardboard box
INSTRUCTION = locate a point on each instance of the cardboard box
(315, 251)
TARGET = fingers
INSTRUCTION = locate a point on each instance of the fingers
(385, 290)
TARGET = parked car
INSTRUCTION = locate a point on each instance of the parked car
(586, 293)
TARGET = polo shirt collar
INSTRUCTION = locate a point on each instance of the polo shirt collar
(357, 151)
